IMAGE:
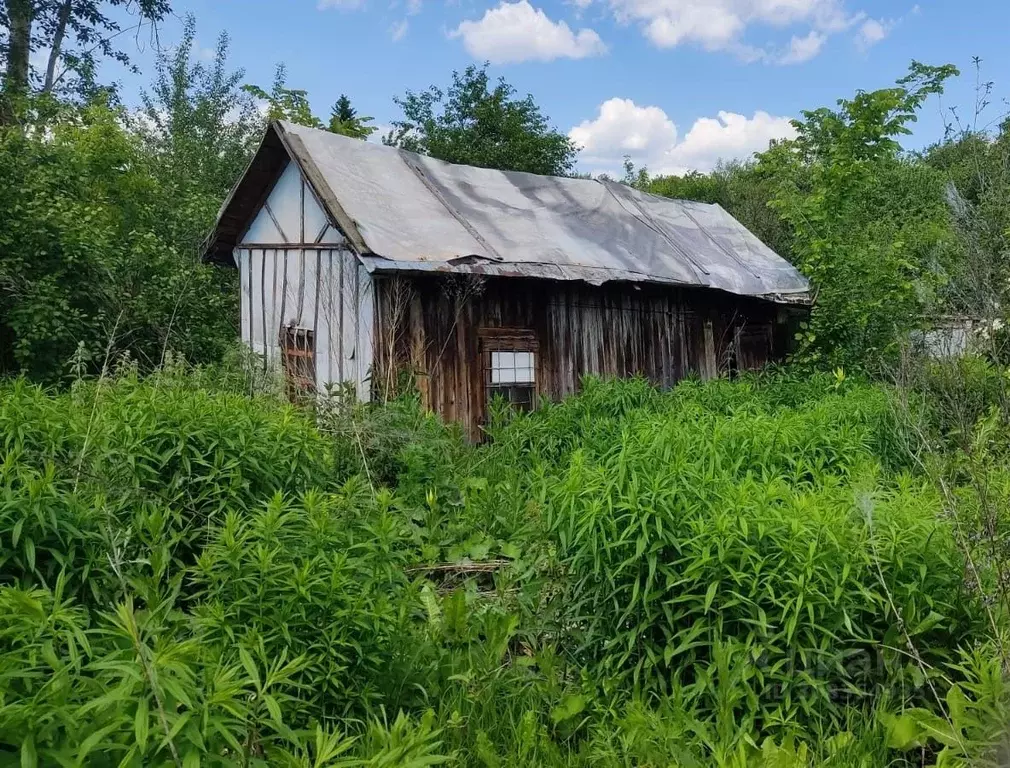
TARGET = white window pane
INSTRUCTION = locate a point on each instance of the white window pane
(508, 359)
(496, 360)
(524, 359)
(508, 376)
(524, 375)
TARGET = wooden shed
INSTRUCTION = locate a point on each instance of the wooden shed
(361, 264)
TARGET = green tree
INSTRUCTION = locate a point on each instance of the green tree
(293, 105)
(198, 129)
(89, 271)
(345, 120)
(865, 222)
(73, 34)
(476, 122)
(283, 103)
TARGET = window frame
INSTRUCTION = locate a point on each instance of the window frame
(298, 361)
(509, 340)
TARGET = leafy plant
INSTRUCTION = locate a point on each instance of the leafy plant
(475, 122)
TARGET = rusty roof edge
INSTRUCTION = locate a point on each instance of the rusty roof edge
(592, 275)
(296, 149)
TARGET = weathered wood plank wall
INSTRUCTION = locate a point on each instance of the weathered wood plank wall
(432, 327)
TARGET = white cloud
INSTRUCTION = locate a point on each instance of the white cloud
(804, 48)
(413, 7)
(651, 138)
(399, 30)
(378, 135)
(871, 32)
(343, 5)
(515, 32)
(622, 127)
(729, 136)
(720, 25)
(202, 52)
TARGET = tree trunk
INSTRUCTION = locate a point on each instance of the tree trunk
(19, 13)
(54, 54)
(15, 83)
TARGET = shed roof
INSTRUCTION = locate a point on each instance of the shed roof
(407, 212)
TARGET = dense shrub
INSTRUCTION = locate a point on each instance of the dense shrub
(745, 529)
(130, 465)
(736, 573)
(321, 580)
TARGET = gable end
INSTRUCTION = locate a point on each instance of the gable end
(257, 210)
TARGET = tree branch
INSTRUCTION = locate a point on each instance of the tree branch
(54, 55)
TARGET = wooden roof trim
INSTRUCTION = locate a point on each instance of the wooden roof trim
(250, 193)
(236, 212)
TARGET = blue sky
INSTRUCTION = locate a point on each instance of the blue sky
(677, 84)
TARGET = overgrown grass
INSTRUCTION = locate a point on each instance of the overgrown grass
(745, 573)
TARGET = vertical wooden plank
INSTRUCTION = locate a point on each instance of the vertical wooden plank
(284, 291)
(683, 324)
(329, 315)
(315, 312)
(460, 362)
(359, 375)
(247, 259)
(340, 315)
(365, 351)
(711, 367)
(301, 210)
(263, 307)
(595, 334)
(541, 309)
(317, 293)
(571, 342)
(669, 339)
(274, 322)
(301, 287)
(559, 331)
(415, 357)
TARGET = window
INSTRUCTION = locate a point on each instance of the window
(298, 359)
(510, 365)
(512, 368)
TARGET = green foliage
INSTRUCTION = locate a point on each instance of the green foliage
(475, 122)
(730, 573)
(285, 103)
(103, 215)
(289, 104)
(889, 239)
(319, 580)
(866, 225)
(345, 120)
(724, 550)
(197, 131)
(72, 37)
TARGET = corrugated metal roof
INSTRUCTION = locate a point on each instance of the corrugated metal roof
(410, 212)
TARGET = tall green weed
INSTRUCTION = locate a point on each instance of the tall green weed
(737, 573)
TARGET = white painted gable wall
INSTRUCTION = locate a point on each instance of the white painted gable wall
(296, 269)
